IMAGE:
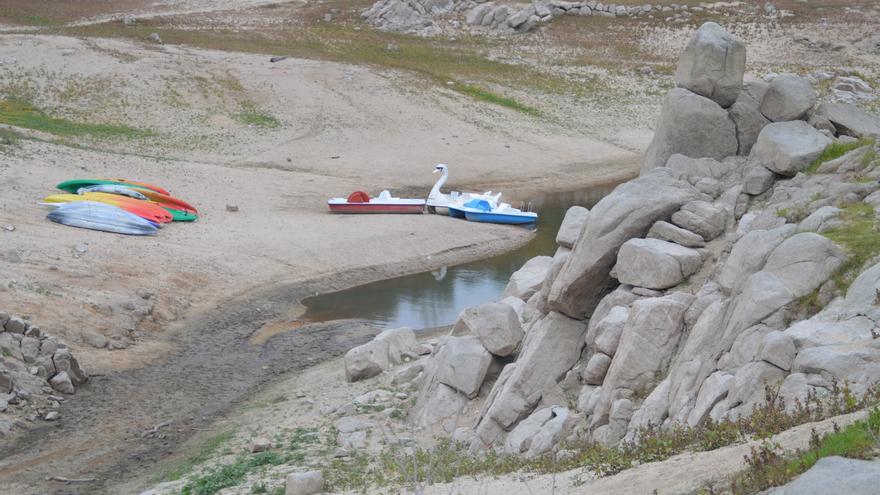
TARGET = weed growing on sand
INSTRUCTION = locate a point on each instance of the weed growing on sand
(200, 454)
(834, 151)
(490, 97)
(227, 475)
(252, 116)
(859, 236)
(20, 113)
(447, 460)
(8, 138)
(769, 465)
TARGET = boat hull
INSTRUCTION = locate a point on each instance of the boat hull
(455, 212)
(502, 218)
(376, 208)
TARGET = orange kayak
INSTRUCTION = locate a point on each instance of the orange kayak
(144, 209)
(167, 201)
(141, 185)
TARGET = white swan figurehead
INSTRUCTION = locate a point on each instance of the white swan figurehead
(438, 198)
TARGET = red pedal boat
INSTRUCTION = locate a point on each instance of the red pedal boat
(360, 202)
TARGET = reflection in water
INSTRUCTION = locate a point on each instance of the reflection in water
(435, 298)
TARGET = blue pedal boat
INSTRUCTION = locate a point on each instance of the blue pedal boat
(479, 210)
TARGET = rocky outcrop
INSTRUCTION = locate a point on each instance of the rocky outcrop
(36, 371)
(789, 97)
(680, 300)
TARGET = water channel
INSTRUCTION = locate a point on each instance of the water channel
(435, 298)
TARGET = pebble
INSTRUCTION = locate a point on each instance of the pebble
(9, 228)
(52, 416)
(260, 445)
(232, 208)
(80, 248)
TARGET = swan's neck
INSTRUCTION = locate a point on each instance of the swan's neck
(435, 191)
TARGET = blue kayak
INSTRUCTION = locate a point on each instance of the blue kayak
(103, 217)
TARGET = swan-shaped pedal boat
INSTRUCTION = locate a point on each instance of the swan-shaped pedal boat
(361, 202)
(453, 201)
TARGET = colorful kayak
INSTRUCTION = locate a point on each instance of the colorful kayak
(144, 209)
(168, 202)
(360, 202)
(143, 185)
(181, 216)
(72, 186)
(101, 216)
(114, 189)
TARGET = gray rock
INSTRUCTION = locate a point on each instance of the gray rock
(672, 233)
(30, 349)
(749, 254)
(462, 363)
(788, 147)
(401, 343)
(587, 398)
(652, 333)
(95, 340)
(260, 445)
(572, 225)
(749, 121)
(655, 264)
(856, 364)
(609, 329)
(552, 346)
(596, 368)
(693, 126)
(476, 15)
(712, 65)
(528, 279)
(818, 219)
(308, 483)
(850, 119)
(154, 37)
(705, 219)
(835, 475)
(16, 325)
(10, 346)
(822, 330)
(64, 361)
(61, 382)
(497, 326)
(367, 360)
(789, 97)
(778, 349)
(758, 180)
(618, 217)
(747, 389)
(713, 390)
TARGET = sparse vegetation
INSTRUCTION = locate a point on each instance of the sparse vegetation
(200, 454)
(859, 236)
(490, 97)
(834, 151)
(20, 113)
(227, 475)
(250, 115)
(769, 465)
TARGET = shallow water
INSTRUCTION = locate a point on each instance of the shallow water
(433, 299)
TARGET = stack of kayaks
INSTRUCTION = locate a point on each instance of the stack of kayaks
(117, 205)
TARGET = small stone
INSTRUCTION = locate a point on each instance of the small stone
(340, 453)
(308, 483)
(277, 59)
(232, 208)
(9, 228)
(80, 248)
(260, 445)
(52, 416)
(129, 20)
(61, 382)
(95, 340)
(154, 37)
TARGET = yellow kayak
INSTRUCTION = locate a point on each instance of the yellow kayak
(144, 209)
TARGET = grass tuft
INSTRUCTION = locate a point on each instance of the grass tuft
(201, 453)
(860, 238)
(481, 94)
(20, 113)
(229, 475)
(834, 151)
(252, 116)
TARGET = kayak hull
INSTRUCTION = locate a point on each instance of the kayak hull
(102, 217)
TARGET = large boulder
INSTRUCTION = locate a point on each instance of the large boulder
(401, 343)
(702, 218)
(552, 346)
(655, 264)
(497, 326)
(789, 97)
(750, 253)
(835, 475)
(749, 121)
(691, 125)
(788, 147)
(673, 233)
(646, 348)
(539, 433)
(617, 218)
(367, 360)
(712, 65)
(856, 364)
(572, 225)
(462, 363)
(528, 279)
(851, 120)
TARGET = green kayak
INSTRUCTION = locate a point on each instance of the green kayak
(72, 186)
(181, 216)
